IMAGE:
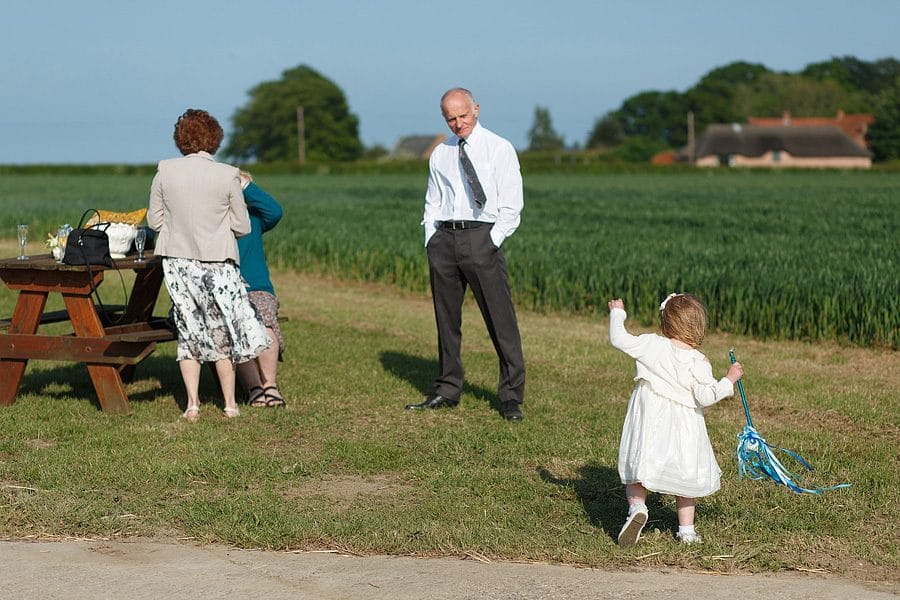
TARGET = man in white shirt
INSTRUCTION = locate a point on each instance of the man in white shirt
(472, 204)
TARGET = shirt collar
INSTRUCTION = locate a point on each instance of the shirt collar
(475, 135)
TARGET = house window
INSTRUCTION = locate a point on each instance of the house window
(776, 156)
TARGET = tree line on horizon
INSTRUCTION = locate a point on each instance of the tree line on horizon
(266, 128)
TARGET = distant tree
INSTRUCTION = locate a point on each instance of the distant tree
(542, 136)
(662, 116)
(607, 132)
(735, 73)
(886, 72)
(884, 134)
(714, 98)
(712, 101)
(856, 75)
(655, 116)
(774, 93)
(266, 128)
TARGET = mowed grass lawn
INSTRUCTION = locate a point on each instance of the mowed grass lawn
(345, 467)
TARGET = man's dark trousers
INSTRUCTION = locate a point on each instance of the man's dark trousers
(458, 258)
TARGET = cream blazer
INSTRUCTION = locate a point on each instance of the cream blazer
(198, 209)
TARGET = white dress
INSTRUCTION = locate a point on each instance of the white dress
(664, 443)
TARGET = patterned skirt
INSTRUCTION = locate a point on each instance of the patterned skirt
(212, 311)
(266, 305)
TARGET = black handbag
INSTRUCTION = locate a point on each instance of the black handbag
(88, 245)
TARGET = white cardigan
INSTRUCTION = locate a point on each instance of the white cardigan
(681, 375)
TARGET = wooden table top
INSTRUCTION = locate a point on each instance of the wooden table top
(46, 262)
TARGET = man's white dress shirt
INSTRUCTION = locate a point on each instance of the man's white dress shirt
(449, 197)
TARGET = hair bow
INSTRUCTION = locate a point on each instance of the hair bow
(662, 305)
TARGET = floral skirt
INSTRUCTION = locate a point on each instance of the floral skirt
(212, 311)
(266, 305)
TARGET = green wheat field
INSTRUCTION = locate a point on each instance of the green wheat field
(804, 256)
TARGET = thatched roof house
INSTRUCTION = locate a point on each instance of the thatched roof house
(762, 146)
(854, 125)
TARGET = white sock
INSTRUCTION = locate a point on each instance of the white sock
(633, 508)
(686, 529)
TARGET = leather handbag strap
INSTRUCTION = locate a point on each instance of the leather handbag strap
(82, 221)
(85, 214)
(94, 289)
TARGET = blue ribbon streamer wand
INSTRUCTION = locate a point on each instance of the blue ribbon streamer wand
(756, 457)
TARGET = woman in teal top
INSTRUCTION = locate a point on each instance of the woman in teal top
(259, 376)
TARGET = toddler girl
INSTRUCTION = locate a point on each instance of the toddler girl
(664, 446)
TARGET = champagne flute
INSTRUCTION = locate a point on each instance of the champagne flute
(22, 230)
(140, 239)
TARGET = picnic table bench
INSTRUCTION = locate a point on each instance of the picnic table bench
(111, 342)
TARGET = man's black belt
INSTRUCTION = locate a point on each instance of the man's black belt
(456, 225)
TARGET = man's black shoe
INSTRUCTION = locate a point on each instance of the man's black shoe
(433, 401)
(512, 411)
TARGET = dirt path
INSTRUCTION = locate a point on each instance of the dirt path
(81, 570)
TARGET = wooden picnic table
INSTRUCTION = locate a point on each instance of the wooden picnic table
(111, 342)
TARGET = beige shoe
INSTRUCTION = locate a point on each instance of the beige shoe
(632, 528)
(192, 414)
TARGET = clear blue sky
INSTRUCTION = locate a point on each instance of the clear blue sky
(104, 80)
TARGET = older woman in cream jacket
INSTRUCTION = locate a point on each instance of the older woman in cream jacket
(197, 208)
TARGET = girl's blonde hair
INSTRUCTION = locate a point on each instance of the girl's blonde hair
(684, 318)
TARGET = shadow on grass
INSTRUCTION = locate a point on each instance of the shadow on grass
(420, 373)
(64, 381)
(602, 495)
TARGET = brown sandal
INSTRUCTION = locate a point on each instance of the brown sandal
(257, 398)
